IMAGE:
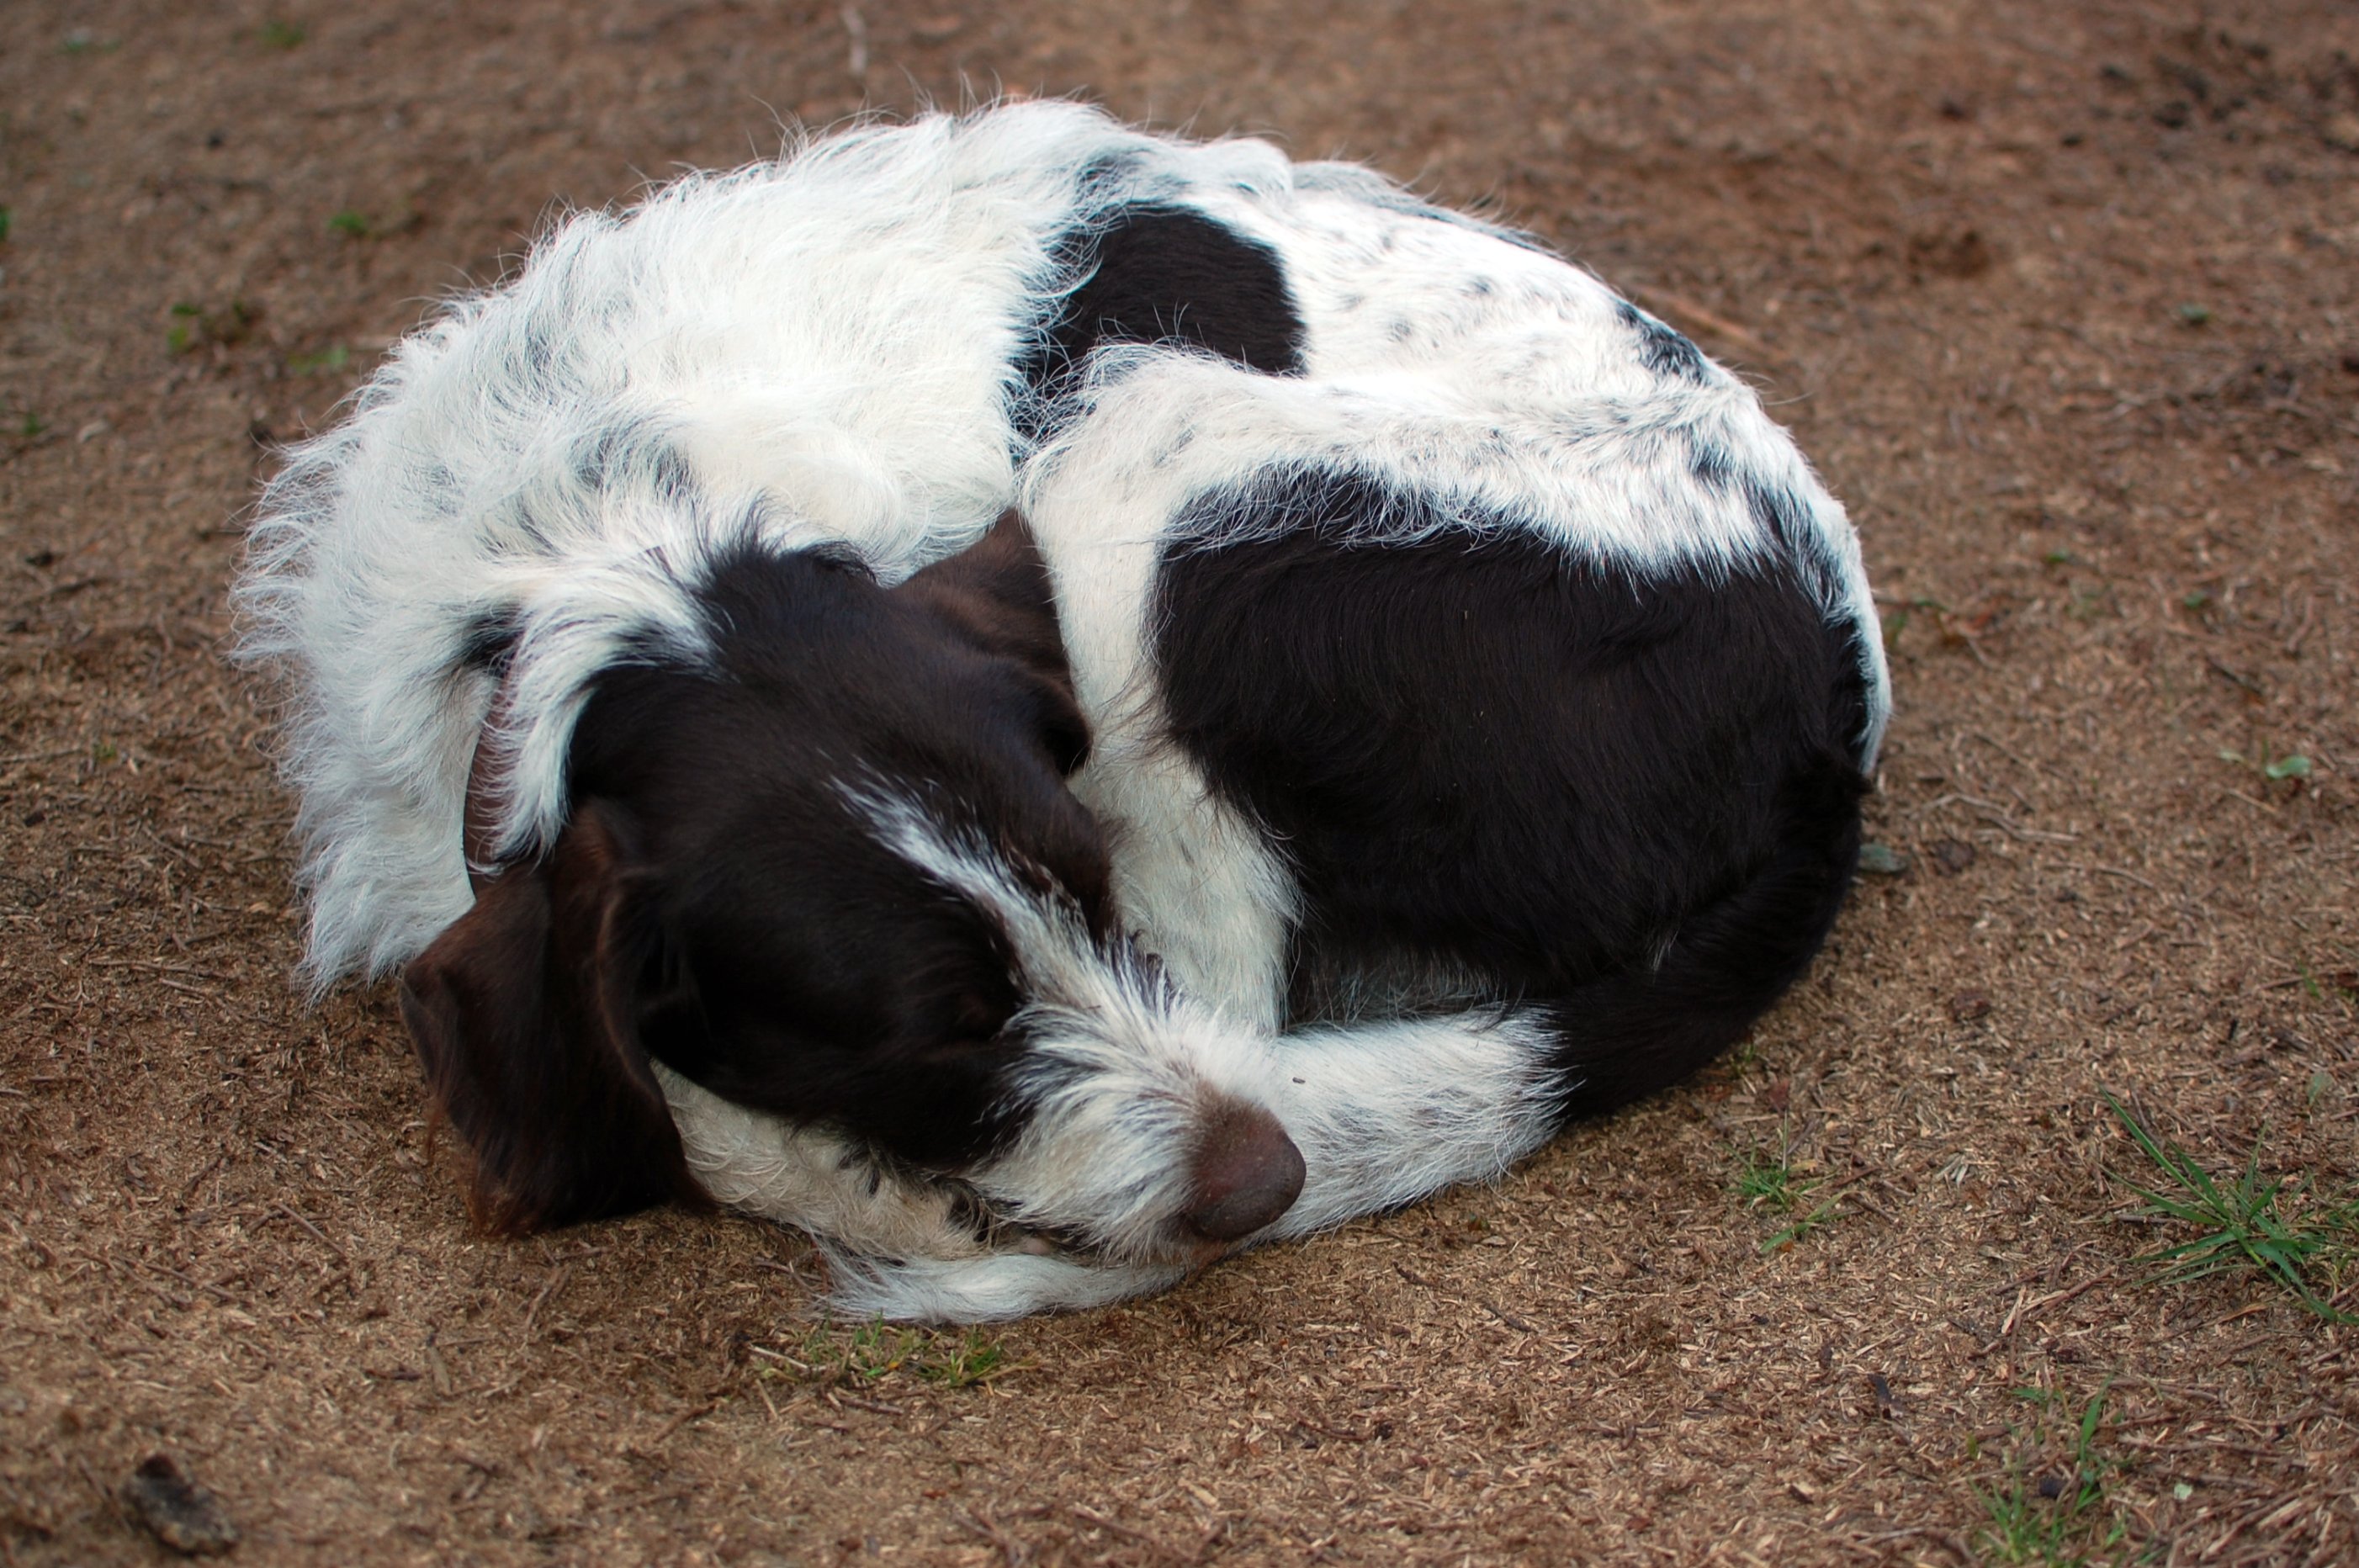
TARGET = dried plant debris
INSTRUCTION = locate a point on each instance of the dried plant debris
(874, 1352)
(2111, 545)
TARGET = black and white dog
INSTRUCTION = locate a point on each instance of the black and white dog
(1047, 702)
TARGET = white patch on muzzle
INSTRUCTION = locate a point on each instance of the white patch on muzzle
(1120, 1072)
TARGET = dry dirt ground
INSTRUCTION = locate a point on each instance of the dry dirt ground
(2062, 295)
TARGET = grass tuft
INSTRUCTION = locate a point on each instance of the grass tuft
(331, 358)
(194, 327)
(2302, 1244)
(875, 1351)
(2340, 984)
(355, 224)
(1780, 1184)
(2275, 769)
(972, 1359)
(2038, 1515)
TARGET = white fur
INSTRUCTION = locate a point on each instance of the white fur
(813, 1177)
(1120, 1070)
(824, 348)
(985, 1290)
(1599, 462)
(1119, 1076)
(897, 1246)
(1386, 1114)
(1603, 478)
(1118, 1080)
(1449, 357)
(823, 351)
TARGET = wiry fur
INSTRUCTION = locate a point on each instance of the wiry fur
(869, 350)
(823, 351)
(1604, 479)
(1119, 1068)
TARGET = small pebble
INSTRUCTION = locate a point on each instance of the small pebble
(179, 1512)
(1951, 855)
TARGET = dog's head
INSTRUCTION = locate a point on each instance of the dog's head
(833, 875)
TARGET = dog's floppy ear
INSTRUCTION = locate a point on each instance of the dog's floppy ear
(998, 591)
(524, 1014)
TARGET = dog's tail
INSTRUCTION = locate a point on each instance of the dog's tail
(1638, 1031)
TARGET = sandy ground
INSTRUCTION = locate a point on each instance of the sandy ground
(2063, 298)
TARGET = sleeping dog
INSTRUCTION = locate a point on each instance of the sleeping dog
(1048, 703)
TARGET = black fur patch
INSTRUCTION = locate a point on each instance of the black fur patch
(795, 964)
(1632, 796)
(716, 903)
(1661, 349)
(1713, 465)
(1777, 509)
(1158, 274)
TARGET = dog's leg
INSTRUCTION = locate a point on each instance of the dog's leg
(896, 1247)
(816, 1179)
(1386, 1114)
(1198, 884)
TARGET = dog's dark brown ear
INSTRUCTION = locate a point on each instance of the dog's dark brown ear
(523, 1016)
(998, 590)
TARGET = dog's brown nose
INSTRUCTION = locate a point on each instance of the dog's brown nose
(1247, 1174)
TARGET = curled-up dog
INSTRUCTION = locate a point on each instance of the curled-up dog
(1047, 702)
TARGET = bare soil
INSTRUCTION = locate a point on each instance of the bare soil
(2063, 297)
